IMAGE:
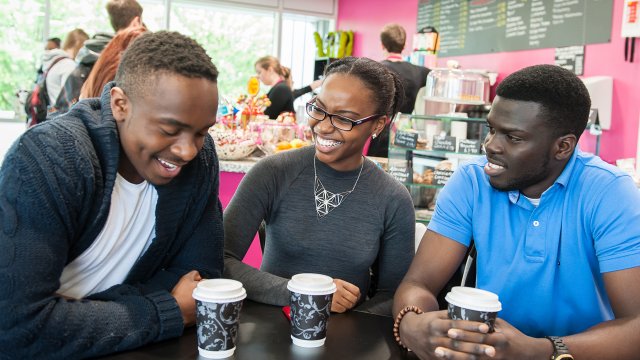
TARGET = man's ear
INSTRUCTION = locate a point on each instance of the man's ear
(565, 146)
(136, 22)
(120, 104)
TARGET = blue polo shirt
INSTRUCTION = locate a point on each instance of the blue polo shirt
(545, 262)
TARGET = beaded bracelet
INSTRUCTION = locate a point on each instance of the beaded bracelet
(396, 323)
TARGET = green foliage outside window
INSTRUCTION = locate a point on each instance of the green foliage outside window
(90, 16)
(21, 46)
(233, 40)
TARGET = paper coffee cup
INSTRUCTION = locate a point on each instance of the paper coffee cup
(218, 305)
(467, 303)
(311, 296)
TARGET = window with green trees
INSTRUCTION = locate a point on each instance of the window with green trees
(234, 36)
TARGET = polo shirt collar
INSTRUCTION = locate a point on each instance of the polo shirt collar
(563, 179)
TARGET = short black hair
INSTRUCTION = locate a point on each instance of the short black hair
(385, 85)
(122, 12)
(563, 96)
(55, 40)
(162, 52)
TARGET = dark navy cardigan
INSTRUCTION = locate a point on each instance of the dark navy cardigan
(55, 193)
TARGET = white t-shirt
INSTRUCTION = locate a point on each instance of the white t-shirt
(126, 235)
(534, 202)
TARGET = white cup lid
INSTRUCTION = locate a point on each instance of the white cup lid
(311, 284)
(473, 299)
(219, 290)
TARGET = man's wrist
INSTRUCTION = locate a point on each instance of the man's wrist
(560, 349)
(398, 320)
(404, 329)
(546, 349)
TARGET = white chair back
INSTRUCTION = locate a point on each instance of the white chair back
(420, 230)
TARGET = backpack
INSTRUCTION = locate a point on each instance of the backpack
(37, 103)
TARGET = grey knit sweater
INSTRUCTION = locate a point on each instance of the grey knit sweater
(373, 229)
(55, 193)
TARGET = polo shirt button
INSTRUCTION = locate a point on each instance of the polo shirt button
(536, 223)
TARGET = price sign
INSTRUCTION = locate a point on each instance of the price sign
(469, 146)
(441, 177)
(446, 143)
(406, 138)
(402, 174)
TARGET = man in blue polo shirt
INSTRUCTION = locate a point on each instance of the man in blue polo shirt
(556, 232)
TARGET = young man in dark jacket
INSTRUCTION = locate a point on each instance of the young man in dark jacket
(110, 214)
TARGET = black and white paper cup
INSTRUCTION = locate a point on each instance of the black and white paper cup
(310, 302)
(218, 305)
(467, 303)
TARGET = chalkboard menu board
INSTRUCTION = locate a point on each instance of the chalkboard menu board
(487, 26)
(406, 139)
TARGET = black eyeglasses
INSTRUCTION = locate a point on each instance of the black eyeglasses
(338, 121)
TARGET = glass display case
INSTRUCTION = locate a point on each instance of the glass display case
(425, 150)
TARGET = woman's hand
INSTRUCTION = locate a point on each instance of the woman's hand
(182, 292)
(345, 297)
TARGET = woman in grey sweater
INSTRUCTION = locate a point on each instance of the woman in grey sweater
(327, 209)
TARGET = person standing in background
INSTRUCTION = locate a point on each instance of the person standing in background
(58, 71)
(271, 73)
(52, 43)
(123, 14)
(393, 38)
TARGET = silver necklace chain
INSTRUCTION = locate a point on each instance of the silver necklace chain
(326, 200)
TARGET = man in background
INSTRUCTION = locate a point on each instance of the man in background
(123, 14)
(52, 43)
(393, 38)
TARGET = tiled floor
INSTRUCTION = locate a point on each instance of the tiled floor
(9, 132)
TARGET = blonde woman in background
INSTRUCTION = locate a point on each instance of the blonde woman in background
(271, 73)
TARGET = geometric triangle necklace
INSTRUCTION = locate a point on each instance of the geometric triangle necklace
(326, 200)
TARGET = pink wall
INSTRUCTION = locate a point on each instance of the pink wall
(229, 182)
(367, 17)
